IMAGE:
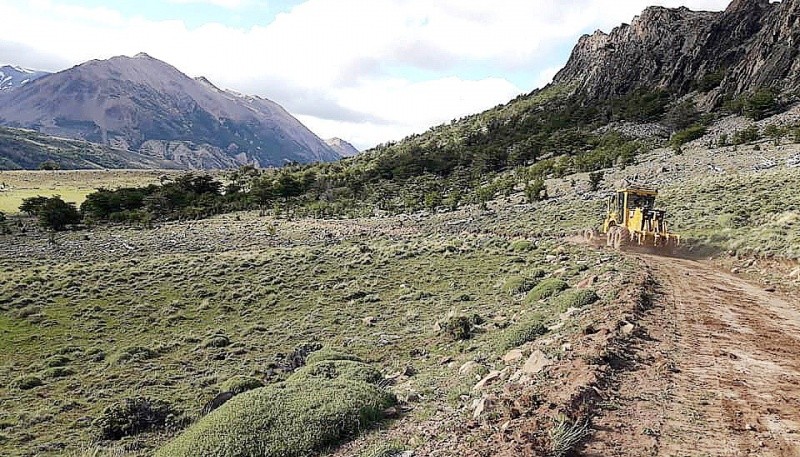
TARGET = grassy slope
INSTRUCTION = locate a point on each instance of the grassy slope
(267, 294)
(270, 285)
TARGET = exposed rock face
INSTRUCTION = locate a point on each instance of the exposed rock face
(342, 147)
(128, 102)
(752, 44)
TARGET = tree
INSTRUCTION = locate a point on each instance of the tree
(56, 214)
(594, 180)
(536, 190)
(32, 205)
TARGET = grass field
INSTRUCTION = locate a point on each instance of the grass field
(72, 185)
(174, 312)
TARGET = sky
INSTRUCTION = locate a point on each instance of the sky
(367, 71)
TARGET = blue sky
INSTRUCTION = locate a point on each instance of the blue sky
(367, 71)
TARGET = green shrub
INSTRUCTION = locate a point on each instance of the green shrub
(57, 360)
(330, 354)
(58, 372)
(132, 416)
(216, 341)
(132, 354)
(26, 382)
(334, 369)
(521, 245)
(384, 449)
(240, 384)
(460, 327)
(747, 135)
(575, 298)
(522, 332)
(292, 419)
(545, 289)
(689, 134)
(519, 284)
(523, 282)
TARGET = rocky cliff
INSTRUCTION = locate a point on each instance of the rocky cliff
(751, 45)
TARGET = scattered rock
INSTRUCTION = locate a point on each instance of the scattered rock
(369, 321)
(735, 270)
(512, 356)
(626, 328)
(795, 273)
(586, 283)
(480, 407)
(566, 347)
(488, 379)
(536, 363)
(445, 360)
(469, 367)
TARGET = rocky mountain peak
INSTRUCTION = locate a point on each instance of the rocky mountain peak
(751, 45)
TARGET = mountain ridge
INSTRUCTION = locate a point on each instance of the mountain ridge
(127, 102)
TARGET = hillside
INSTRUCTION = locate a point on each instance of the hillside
(22, 149)
(145, 105)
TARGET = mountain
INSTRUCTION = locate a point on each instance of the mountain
(752, 45)
(143, 104)
(12, 77)
(342, 147)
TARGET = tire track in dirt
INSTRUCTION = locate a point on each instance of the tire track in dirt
(714, 369)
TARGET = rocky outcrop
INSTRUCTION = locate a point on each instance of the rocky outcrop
(128, 101)
(342, 147)
(753, 44)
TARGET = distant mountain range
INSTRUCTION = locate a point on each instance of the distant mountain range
(342, 147)
(12, 77)
(143, 105)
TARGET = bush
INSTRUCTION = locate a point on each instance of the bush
(595, 179)
(519, 284)
(240, 384)
(747, 135)
(26, 382)
(536, 190)
(521, 333)
(132, 354)
(384, 449)
(58, 372)
(217, 340)
(335, 369)
(132, 416)
(575, 298)
(330, 354)
(521, 245)
(292, 419)
(689, 134)
(461, 327)
(545, 289)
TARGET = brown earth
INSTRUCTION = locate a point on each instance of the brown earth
(714, 369)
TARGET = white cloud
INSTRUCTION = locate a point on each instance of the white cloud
(360, 59)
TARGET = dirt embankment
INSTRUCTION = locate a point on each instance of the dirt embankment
(714, 370)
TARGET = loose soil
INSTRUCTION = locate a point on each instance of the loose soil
(714, 369)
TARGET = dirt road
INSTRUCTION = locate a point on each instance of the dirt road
(713, 370)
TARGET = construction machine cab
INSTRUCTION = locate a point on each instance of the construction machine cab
(631, 217)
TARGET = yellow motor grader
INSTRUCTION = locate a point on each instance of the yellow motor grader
(631, 219)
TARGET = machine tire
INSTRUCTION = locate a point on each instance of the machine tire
(622, 238)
